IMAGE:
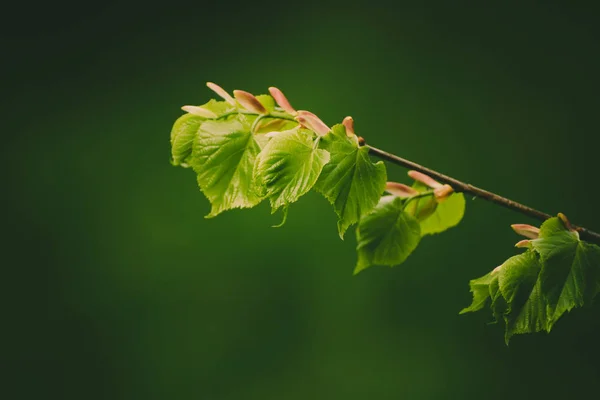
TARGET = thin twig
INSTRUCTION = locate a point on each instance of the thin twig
(459, 186)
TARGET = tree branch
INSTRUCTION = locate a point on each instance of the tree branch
(459, 186)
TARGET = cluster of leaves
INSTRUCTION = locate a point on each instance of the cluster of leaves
(252, 148)
(532, 290)
(248, 149)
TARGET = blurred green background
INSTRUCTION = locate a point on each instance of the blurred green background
(116, 287)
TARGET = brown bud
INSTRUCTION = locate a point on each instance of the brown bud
(282, 101)
(565, 221)
(400, 190)
(199, 111)
(443, 192)
(523, 243)
(529, 231)
(249, 102)
(349, 125)
(221, 92)
(427, 180)
(312, 122)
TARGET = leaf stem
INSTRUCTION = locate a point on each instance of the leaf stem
(273, 114)
(418, 196)
(463, 187)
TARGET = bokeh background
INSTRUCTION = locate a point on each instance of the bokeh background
(114, 286)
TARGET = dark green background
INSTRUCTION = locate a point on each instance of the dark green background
(116, 287)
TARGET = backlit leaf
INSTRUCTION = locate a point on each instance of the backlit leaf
(350, 181)
(224, 156)
(386, 236)
(288, 166)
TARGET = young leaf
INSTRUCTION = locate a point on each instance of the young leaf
(386, 236)
(437, 217)
(571, 273)
(267, 102)
(185, 130)
(183, 134)
(520, 288)
(557, 273)
(480, 288)
(288, 167)
(220, 108)
(224, 156)
(515, 294)
(447, 215)
(350, 181)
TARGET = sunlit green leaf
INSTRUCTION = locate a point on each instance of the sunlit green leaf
(437, 217)
(288, 166)
(480, 288)
(520, 288)
(571, 273)
(386, 236)
(350, 181)
(557, 273)
(224, 156)
(183, 135)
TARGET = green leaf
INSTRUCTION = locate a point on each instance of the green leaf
(185, 131)
(288, 167)
(386, 236)
(520, 288)
(224, 156)
(447, 215)
(557, 273)
(437, 217)
(571, 274)
(219, 107)
(183, 135)
(480, 288)
(267, 101)
(350, 181)
(514, 291)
